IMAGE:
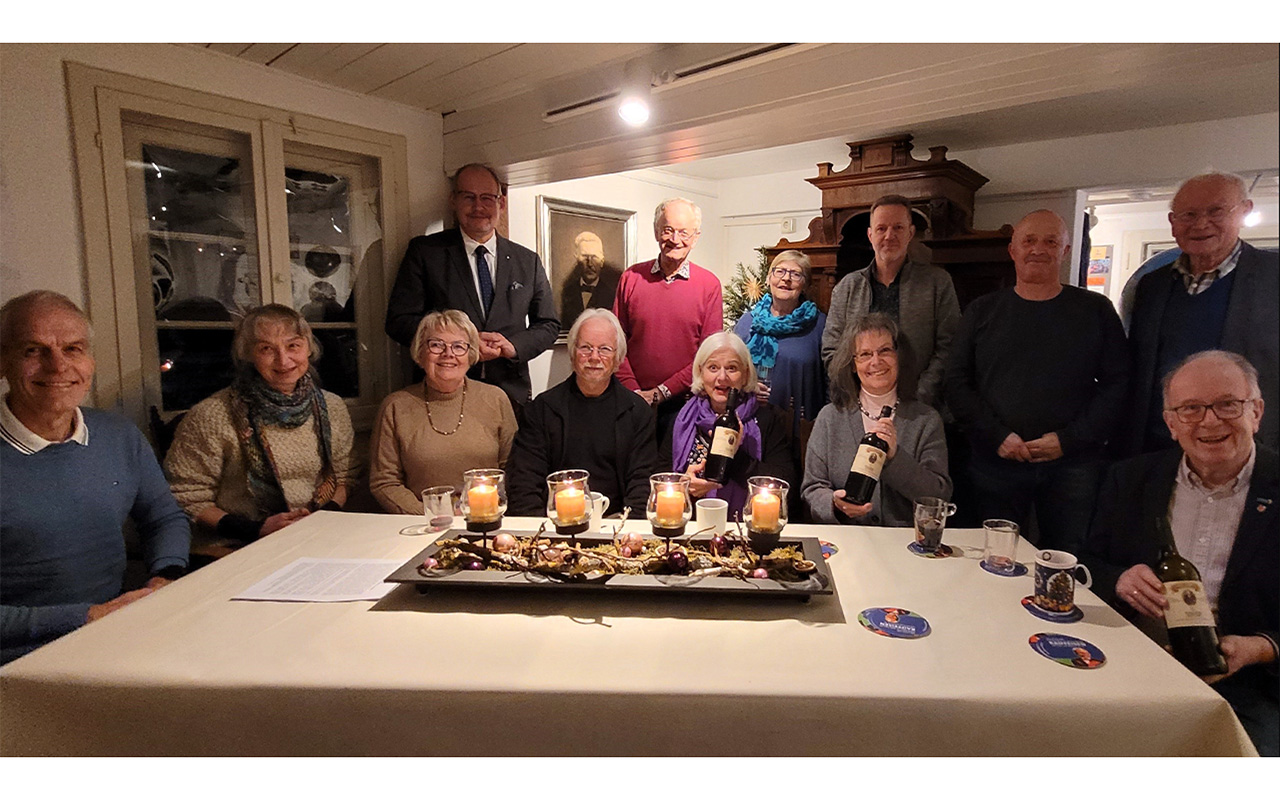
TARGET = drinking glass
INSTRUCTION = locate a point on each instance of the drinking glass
(437, 507)
(1001, 547)
(931, 519)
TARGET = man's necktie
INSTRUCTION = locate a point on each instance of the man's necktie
(486, 279)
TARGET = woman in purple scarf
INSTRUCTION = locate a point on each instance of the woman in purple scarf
(723, 363)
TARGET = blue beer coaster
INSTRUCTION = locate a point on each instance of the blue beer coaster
(1018, 570)
(896, 623)
(942, 552)
(1067, 650)
(828, 549)
(1074, 615)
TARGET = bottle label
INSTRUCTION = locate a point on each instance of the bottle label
(724, 442)
(869, 461)
(1188, 605)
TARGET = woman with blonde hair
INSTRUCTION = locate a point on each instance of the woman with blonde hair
(430, 433)
(723, 363)
(783, 332)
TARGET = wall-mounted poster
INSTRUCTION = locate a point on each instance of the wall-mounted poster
(585, 249)
(1099, 267)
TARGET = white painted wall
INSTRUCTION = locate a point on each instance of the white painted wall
(40, 232)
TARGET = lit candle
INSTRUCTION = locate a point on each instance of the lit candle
(670, 510)
(483, 499)
(571, 505)
(764, 511)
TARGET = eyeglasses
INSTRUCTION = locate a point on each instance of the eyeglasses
(864, 356)
(679, 236)
(585, 350)
(783, 272)
(477, 199)
(438, 346)
(1216, 214)
(1222, 409)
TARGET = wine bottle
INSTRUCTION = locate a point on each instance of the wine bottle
(724, 442)
(1192, 633)
(864, 473)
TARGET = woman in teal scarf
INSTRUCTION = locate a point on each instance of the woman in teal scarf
(783, 331)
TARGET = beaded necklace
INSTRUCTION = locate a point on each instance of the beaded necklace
(462, 409)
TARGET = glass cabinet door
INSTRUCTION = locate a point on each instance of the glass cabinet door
(335, 239)
(192, 210)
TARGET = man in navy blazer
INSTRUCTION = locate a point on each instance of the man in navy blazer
(1220, 491)
(1220, 293)
(500, 285)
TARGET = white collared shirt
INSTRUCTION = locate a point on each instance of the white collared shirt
(28, 443)
(1205, 521)
(491, 248)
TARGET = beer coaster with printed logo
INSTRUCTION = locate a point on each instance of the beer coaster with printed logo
(1067, 650)
(1074, 615)
(828, 549)
(896, 623)
(942, 552)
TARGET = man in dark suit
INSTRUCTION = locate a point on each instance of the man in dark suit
(591, 284)
(1221, 493)
(500, 285)
(1220, 293)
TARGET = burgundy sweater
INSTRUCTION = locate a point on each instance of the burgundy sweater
(665, 323)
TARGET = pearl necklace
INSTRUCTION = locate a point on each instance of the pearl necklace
(462, 409)
(877, 417)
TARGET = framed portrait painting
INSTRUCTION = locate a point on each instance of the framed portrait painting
(585, 249)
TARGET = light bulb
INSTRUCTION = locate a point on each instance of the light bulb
(634, 111)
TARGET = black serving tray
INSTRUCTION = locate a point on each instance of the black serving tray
(819, 583)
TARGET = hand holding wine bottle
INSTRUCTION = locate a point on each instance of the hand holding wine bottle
(849, 509)
(699, 486)
(1139, 587)
(885, 429)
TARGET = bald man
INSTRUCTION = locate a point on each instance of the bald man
(1219, 293)
(1037, 381)
(591, 284)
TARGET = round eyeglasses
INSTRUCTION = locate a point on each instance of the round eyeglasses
(438, 346)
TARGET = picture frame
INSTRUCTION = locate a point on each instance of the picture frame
(560, 224)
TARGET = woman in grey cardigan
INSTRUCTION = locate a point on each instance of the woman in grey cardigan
(864, 380)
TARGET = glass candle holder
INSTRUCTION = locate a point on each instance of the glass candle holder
(670, 506)
(569, 501)
(765, 512)
(484, 499)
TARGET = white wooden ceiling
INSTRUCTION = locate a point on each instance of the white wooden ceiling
(721, 99)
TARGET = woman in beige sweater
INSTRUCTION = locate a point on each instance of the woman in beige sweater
(269, 449)
(429, 434)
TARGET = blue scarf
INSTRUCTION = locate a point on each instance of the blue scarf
(766, 329)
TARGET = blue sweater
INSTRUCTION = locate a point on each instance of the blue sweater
(61, 544)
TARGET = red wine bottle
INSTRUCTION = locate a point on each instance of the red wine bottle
(864, 473)
(1193, 636)
(724, 442)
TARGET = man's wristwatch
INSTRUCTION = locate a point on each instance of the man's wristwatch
(664, 391)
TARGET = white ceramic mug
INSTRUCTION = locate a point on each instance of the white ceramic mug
(713, 512)
(1056, 579)
(599, 505)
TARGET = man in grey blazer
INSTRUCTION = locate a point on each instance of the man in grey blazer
(1219, 294)
(500, 285)
(919, 297)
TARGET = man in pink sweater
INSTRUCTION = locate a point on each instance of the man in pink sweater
(667, 307)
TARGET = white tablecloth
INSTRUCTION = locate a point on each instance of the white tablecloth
(188, 671)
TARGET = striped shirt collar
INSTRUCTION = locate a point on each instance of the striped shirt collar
(1195, 284)
(28, 443)
(1186, 477)
(682, 272)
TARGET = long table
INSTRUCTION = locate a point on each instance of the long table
(188, 671)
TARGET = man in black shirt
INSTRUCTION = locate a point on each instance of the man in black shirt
(1037, 380)
(590, 421)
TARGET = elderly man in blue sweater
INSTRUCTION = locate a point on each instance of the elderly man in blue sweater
(68, 478)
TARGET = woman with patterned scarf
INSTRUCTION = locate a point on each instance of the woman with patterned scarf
(783, 331)
(269, 449)
(722, 363)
